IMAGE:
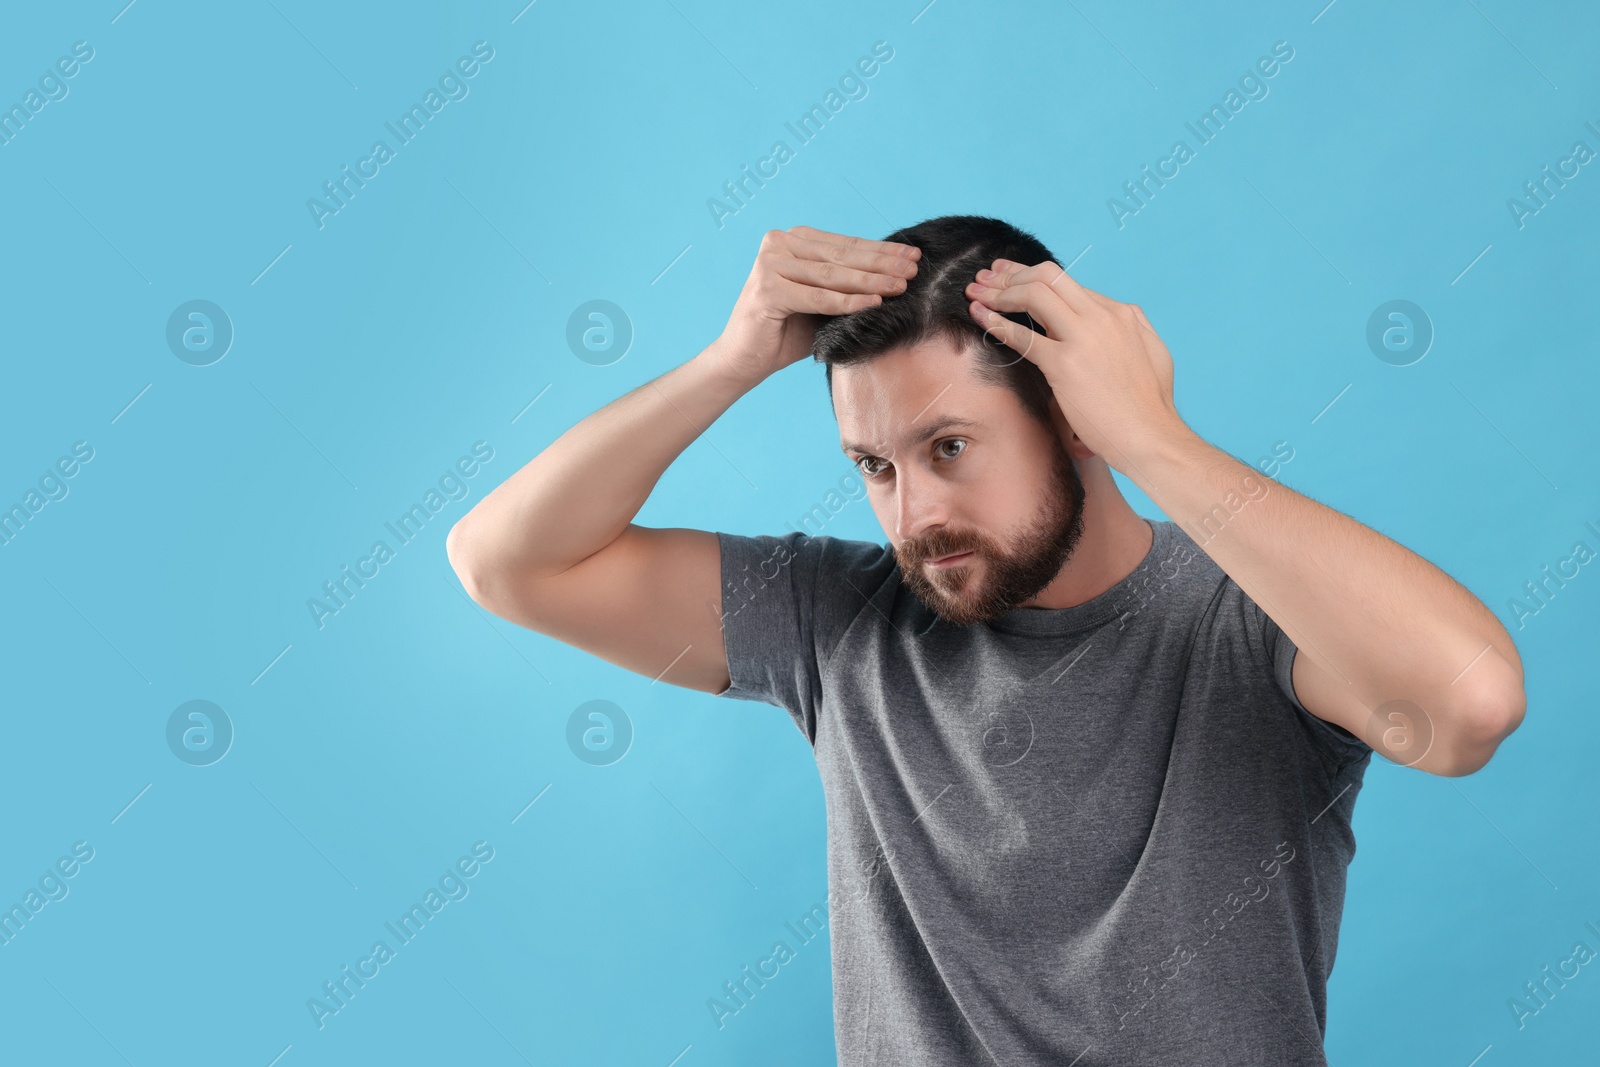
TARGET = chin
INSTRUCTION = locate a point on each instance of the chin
(960, 608)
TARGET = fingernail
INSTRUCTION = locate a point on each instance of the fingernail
(985, 274)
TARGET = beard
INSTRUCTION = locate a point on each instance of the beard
(959, 594)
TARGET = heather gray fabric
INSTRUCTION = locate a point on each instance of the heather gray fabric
(1100, 835)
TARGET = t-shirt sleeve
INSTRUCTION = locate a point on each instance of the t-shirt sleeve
(786, 602)
(1276, 648)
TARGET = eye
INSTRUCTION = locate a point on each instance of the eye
(863, 464)
(864, 470)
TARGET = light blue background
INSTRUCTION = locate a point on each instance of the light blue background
(430, 311)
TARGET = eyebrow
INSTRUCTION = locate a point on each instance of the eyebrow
(930, 430)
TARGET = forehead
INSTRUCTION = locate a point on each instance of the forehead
(908, 394)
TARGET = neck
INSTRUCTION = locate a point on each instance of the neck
(1115, 540)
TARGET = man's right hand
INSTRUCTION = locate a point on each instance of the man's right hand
(802, 274)
(549, 552)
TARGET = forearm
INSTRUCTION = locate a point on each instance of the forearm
(575, 497)
(1376, 622)
(1380, 617)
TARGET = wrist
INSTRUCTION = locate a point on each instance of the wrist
(728, 367)
(1162, 450)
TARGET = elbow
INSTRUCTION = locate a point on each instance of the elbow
(457, 549)
(1482, 727)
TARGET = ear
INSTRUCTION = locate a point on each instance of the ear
(1069, 437)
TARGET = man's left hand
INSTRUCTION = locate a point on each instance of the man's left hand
(1109, 370)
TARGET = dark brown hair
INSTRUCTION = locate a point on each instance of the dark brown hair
(934, 304)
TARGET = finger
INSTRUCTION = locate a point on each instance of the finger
(1017, 272)
(1036, 298)
(798, 297)
(1109, 304)
(1100, 299)
(865, 259)
(895, 248)
(838, 278)
(1014, 335)
(1075, 296)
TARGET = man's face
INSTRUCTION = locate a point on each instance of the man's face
(955, 465)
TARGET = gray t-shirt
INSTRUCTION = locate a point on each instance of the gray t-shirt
(1099, 835)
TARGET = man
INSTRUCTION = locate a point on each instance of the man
(1086, 804)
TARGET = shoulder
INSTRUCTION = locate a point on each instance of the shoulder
(827, 576)
(803, 556)
(1177, 584)
(1183, 590)
(1237, 633)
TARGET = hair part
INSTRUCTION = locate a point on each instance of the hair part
(934, 305)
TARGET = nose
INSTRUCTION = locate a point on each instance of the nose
(919, 502)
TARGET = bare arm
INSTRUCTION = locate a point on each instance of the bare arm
(1390, 647)
(554, 547)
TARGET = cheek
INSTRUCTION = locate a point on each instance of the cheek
(882, 507)
(997, 499)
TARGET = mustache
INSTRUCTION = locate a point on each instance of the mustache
(937, 545)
